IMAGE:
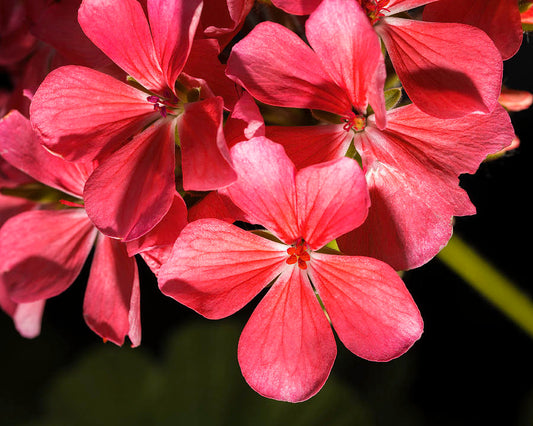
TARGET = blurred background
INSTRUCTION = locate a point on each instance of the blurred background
(472, 366)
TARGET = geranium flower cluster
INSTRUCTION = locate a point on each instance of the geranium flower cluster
(162, 130)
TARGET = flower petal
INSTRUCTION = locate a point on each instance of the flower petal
(499, 19)
(20, 146)
(112, 298)
(130, 192)
(448, 70)
(216, 268)
(307, 145)
(265, 190)
(206, 161)
(117, 26)
(173, 24)
(412, 171)
(81, 113)
(287, 349)
(348, 47)
(278, 68)
(368, 304)
(396, 6)
(332, 200)
(297, 7)
(47, 250)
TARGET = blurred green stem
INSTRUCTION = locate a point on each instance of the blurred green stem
(488, 281)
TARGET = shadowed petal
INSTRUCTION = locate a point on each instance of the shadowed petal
(368, 304)
(447, 70)
(131, 191)
(287, 348)
(47, 250)
(112, 298)
(216, 268)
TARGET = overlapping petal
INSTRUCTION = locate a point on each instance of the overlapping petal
(47, 250)
(287, 348)
(216, 268)
(448, 70)
(111, 306)
(368, 304)
(278, 68)
(81, 113)
(130, 192)
(332, 200)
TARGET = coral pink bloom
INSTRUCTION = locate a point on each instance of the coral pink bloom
(500, 19)
(412, 169)
(287, 348)
(447, 69)
(83, 114)
(343, 73)
(47, 248)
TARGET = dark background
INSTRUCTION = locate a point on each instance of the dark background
(472, 366)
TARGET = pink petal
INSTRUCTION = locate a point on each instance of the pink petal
(265, 190)
(278, 68)
(11, 206)
(500, 19)
(223, 19)
(412, 171)
(131, 191)
(28, 318)
(216, 268)
(173, 24)
(216, 206)
(112, 299)
(368, 304)
(297, 7)
(20, 146)
(348, 47)
(112, 112)
(287, 349)
(47, 250)
(332, 200)
(206, 162)
(307, 145)
(244, 122)
(121, 31)
(447, 70)
(165, 232)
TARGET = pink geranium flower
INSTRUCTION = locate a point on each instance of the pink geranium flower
(83, 114)
(447, 69)
(48, 247)
(287, 348)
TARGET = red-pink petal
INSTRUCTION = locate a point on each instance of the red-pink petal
(206, 161)
(287, 349)
(500, 19)
(396, 6)
(448, 70)
(216, 268)
(332, 200)
(412, 171)
(368, 304)
(112, 298)
(278, 68)
(216, 206)
(81, 113)
(28, 318)
(20, 146)
(307, 145)
(349, 49)
(173, 24)
(47, 250)
(223, 19)
(120, 29)
(130, 192)
(245, 121)
(297, 7)
(266, 190)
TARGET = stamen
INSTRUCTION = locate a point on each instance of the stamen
(298, 254)
(354, 121)
(71, 204)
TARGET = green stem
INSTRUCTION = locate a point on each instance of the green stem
(488, 281)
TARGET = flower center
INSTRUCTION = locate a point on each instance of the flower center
(298, 254)
(374, 9)
(354, 121)
(166, 104)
